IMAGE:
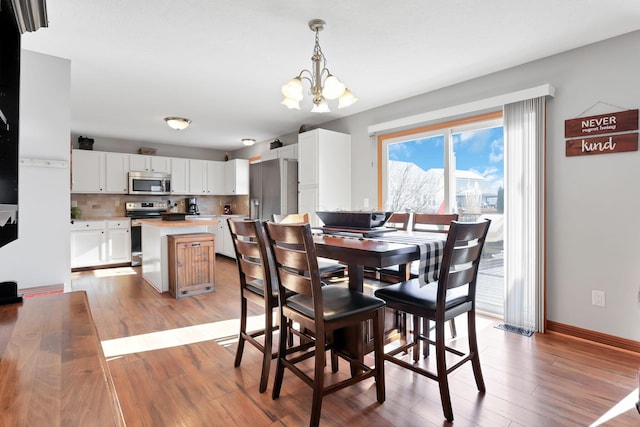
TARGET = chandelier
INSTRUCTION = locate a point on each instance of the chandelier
(324, 85)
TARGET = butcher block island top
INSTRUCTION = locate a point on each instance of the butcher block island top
(181, 223)
(52, 368)
(155, 253)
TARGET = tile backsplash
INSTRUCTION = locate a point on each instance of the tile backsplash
(113, 205)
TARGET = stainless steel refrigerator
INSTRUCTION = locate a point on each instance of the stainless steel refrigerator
(273, 188)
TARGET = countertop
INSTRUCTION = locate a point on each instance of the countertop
(185, 223)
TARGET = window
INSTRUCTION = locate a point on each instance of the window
(454, 167)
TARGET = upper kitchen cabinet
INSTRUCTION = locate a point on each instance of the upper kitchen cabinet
(324, 171)
(216, 180)
(179, 176)
(237, 176)
(87, 171)
(116, 172)
(143, 163)
(99, 172)
(286, 152)
(206, 177)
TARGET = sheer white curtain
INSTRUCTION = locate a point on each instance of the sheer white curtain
(524, 131)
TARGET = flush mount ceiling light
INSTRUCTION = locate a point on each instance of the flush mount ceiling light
(324, 85)
(177, 123)
(248, 141)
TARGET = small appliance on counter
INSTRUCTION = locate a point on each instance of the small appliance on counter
(227, 210)
(191, 204)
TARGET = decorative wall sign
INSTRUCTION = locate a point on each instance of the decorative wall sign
(602, 144)
(622, 121)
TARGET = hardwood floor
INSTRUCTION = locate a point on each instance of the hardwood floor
(172, 365)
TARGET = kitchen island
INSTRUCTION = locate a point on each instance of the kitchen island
(155, 264)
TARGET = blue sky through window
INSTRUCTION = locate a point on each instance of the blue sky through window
(480, 151)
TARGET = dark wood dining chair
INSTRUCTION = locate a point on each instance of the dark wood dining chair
(258, 282)
(433, 223)
(328, 268)
(320, 310)
(452, 295)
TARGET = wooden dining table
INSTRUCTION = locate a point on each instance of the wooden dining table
(399, 248)
(396, 248)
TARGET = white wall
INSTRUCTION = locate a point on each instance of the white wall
(592, 201)
(41, 255)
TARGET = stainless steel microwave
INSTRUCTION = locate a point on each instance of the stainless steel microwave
(149, 183)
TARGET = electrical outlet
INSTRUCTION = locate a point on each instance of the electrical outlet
(597, 298)
(74, 203)
(366, 203)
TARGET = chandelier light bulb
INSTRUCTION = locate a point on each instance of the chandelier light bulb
(293, 89)
(321, 107)
(333, 88)
(346, 99)
(291, 103)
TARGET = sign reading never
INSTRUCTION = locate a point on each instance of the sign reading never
(622, 121)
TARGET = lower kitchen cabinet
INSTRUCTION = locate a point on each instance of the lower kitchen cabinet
(100, 242)
(224, 243)
(191, 263)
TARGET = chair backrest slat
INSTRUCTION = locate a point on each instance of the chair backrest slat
(398, 220)
(434, 223)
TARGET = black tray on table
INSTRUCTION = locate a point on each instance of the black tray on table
(354, 219)
(357, 232)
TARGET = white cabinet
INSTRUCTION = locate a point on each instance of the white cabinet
(206, 177)
(143, 163)
(285, 152)
(87, 243)
(324, 178)
(288, 152)
(215, 178)
(99, 172)
(98, 242)
(224, 243)
(87, 171)
(116, 172)
(118, 241)
(237, 177)
(179, 176)
(197, 176)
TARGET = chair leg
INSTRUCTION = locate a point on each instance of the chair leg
(243, 331)
(318, 379)
(282, 352)
(378, 348)
(416, 338)
(452, 327)
(443, 381)
(268, 345)
(473, 348)
(426, 329)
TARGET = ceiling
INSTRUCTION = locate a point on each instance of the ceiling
(222, 63)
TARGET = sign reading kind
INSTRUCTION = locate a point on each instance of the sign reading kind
(602, 144)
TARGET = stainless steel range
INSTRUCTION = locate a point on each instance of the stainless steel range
(136, 211)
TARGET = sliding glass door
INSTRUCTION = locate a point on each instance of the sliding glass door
(456, 168)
